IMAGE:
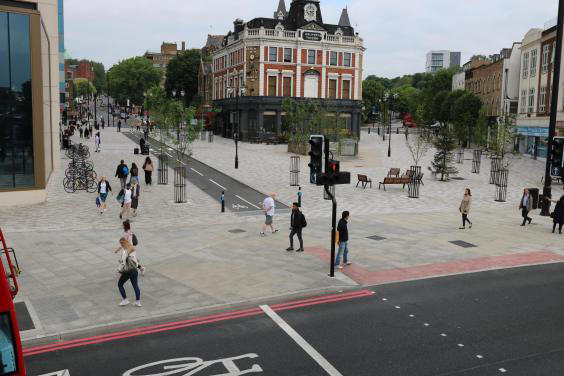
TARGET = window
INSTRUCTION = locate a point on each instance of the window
(273, 54)
(272, 83)
(311, 56)
(531, 100)
(346, 89)
(333, 89)
(523, 101)
(287, 86)
(7, 344)
(533, 63)
(553, 53)
(347, 59)
(545, 53)
(542, 99)
(525, 65)
(16, 105)
(333, 58)
(287, 55)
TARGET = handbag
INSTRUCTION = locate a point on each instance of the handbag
(98, 201)
(134, 239)
(129, 265)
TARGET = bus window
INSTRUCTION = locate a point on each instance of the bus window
(7, 348)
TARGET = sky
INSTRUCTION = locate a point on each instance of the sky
(397, 33)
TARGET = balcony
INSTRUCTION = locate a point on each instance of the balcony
(294, 36)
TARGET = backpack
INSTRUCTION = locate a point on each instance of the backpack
(125, 170)
(129, 264)
(304, 222)
(120, 196)
(98, 201)
(134, 240)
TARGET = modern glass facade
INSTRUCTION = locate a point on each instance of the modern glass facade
(16, 110)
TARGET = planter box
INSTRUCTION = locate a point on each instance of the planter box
(301, 149)
(348, 148)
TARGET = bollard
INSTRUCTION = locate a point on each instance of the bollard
(368, 130)
(223, 201)
(397, 130)
(300, 197)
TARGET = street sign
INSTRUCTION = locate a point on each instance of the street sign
(307, 35)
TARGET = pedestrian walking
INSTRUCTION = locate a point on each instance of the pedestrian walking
(558, 214)
(148, 168)
(130, 236)
(86, 133)
(269, 207)
(126, 202)
(134, 197)
(128, 265)
(80, 131)
(97, 142)
(122, 172)
(134, 173)
(343, 230)
(526, 205)
(119, 126)
(464, 208)
(104, 188)
(297, 224)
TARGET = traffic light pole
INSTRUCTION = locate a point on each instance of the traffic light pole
(334, 216)
(547, 190)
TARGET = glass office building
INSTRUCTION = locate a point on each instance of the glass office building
(29, 100)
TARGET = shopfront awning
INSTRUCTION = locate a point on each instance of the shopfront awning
(532, 131)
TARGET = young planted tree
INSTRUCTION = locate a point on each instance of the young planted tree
(442, 162)
(418, 145)
(184, 126)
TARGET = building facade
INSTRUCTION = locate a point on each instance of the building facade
(161, 59)
(441, 59)
(294, 55)
(535, 90)
(459, 81)
(29, 99)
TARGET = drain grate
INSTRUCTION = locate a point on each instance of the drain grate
(25, 321)
(457, 178)
(463, 244)
(236, 231)
(375, 237)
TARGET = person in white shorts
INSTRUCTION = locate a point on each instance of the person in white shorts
(268, 207)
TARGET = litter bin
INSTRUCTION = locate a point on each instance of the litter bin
(534, 192)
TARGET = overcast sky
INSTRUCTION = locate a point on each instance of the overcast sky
(397, 33)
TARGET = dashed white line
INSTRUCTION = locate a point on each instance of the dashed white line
(384, 299)
(328, 367)
(219, 185)
(479, 356)
(250, 203)
(412, 316)
(197, 172)
(460, 345)
(426, 324)
(502, 370)
(397, 307)
(443, 335)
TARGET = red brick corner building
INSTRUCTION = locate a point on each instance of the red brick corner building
(295, 54)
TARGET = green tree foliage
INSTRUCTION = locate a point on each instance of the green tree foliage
(99, 80)
(465, 112)
(131, 78)
(182, 74)
(82, 87)
(442, 163)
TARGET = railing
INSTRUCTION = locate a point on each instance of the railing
(293, 35)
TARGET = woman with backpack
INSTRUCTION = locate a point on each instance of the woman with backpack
(130, 237)
(134, 173)
(148, 168)
(128, 265)
(134, 197)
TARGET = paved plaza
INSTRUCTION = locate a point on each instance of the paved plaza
(195, 260)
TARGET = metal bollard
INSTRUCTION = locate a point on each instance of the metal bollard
(397, 130)
(368, 130)
(300, 197)
(223, 201)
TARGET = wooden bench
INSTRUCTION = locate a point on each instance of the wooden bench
(394, 180)
(394, 173)
(365, 180)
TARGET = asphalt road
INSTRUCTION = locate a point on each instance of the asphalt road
(489, 323)
(238, 196)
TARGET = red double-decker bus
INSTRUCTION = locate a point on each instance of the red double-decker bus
(11, 356)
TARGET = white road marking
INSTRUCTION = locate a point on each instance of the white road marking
(426, 324)
(460, 345)
(384, 299)
(197, 172)
(397, 307)
(250, 203)
(219, 185)
(411, 316)
(502, 370)
(443, 335)
(479, 356)
(301, 342)
(64, 372)
(169, 155)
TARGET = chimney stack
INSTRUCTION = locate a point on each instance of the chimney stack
(183, 45)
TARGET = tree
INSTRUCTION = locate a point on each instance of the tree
(418, 145)
(465, 112)
(184, 130)
(437, 107)
(182, 74)
(99, 80)
(442, 161)
(505, 135)
(131, 78)
(372, 91)
(83, 87)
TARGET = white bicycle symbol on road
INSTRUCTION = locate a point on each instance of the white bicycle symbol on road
(192, 366)
(239, 206)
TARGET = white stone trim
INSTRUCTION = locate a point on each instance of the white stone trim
(261, 70)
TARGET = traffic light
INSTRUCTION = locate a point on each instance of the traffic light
(556, 157)
(333, 178)
(316, 157)
(333, 166)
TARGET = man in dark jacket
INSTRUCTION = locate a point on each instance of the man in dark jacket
(122, 171)
(297, 223)
(343, 241)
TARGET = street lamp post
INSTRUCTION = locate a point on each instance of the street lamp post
(392, 97)
(182, 93)
(235, 90)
